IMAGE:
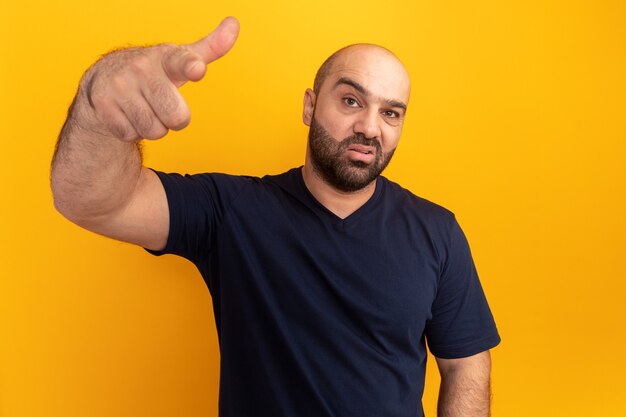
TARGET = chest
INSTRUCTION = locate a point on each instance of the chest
(376, 274)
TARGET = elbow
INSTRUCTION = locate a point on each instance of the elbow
(70, 206)
(59, 198)
(57, 195)
(63, 207)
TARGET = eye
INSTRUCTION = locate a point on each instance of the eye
(391, 114)
(351, 101)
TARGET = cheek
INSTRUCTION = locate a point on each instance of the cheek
(337, 125)
(339, 131)
(391, 139)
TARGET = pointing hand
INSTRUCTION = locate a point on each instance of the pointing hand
(133, 93)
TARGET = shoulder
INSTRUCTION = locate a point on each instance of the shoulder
(405, 201)
(227, 187)
(210, 183)
(429, 224)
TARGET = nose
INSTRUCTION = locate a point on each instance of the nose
(368, 124)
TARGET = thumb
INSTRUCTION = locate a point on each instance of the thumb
(212, 47)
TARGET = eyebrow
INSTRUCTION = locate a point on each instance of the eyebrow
(358, 87)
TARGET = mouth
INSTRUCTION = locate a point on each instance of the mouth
(364, 155)
(365, 150)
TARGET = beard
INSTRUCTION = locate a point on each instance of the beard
(329, 160)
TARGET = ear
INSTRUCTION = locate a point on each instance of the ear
(309, 106)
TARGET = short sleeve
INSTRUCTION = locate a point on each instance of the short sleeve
(462, 323)
(196, 205)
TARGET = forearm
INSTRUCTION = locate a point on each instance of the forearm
(92, 174)
(130, 94)
(465, 387)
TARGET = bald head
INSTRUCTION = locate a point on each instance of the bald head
(359, 51)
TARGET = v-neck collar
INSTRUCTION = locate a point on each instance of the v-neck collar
(329, 215)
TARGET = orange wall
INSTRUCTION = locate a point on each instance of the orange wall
(516, 123)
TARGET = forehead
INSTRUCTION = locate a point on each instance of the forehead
(373, 67)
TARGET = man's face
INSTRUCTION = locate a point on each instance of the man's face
(356, 117)
(330, 158)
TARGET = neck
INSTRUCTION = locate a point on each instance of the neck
(340, 203)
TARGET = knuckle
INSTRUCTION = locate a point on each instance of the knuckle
(161, 94)
(171, 51)
(179, 119)
(175, 59)
(167, 48)
(167, 104)
(118, 84)
(157, 132)
(141, 65)
(140, 117)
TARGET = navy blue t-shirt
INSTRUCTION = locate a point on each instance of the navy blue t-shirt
(321, 316)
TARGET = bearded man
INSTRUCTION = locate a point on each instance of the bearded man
(328, 281)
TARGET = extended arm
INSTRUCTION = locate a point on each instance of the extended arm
(97, 178)
(465, 386)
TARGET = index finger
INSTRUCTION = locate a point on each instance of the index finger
(188, 62)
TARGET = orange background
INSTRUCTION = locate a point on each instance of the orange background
(516, 123)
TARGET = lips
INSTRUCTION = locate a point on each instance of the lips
(361, 153)
(366, 150)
